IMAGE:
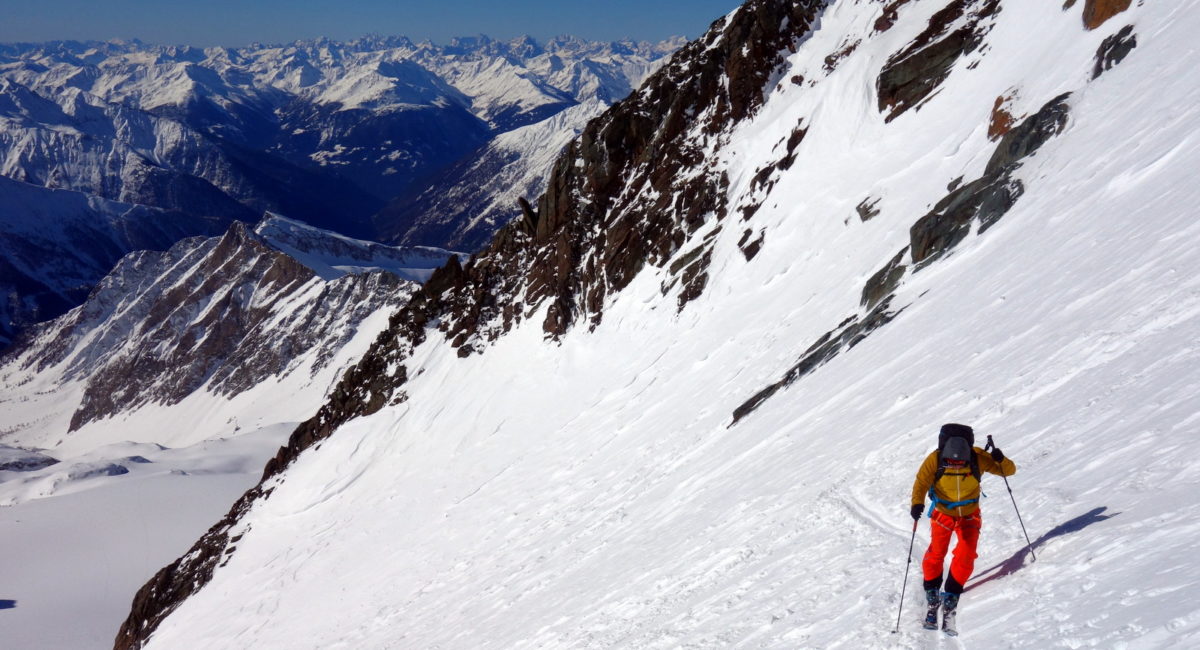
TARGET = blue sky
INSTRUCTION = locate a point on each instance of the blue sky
(233, 22)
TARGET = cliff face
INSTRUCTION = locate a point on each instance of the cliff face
(710, 166)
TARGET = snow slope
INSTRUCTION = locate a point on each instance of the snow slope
(594, 491)
(77, 544)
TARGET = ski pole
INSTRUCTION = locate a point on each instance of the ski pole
(905, 585)
(1029, 544)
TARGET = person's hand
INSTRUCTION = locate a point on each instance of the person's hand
(916, 511)
(997, 455)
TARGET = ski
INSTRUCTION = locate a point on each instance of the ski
(931, 621)
(950, 614)
(932, 603)
(949, 625)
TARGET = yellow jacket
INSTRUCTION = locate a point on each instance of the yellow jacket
(957, 484)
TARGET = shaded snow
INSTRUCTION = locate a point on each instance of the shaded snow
(332, 256)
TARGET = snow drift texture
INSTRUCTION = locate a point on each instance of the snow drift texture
(681, 402)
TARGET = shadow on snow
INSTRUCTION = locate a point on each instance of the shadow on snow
(1014, 563)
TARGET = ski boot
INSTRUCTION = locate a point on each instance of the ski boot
(949, 614)
(933, 602)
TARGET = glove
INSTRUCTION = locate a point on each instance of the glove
(917, 509)
(997, 455)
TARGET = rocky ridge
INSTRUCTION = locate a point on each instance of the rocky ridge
(219, 316)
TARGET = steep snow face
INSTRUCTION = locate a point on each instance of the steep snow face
(883, 267)
(248, 329)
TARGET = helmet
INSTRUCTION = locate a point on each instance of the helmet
(957, 451)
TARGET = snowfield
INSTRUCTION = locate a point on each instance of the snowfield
(80, 542)
(595, 493)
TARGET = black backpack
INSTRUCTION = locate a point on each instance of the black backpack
(957, 431)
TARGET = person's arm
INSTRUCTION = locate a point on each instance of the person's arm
(995, 462)
(925, 476)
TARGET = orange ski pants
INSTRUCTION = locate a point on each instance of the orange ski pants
(941, 528)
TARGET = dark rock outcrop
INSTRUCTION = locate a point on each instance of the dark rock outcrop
(1028, 136)
(884, 281)
(986, 199)
(1114, 49)
(891, 12)
(845, 336)
(1002, 120)
(983, 201)
(832, 61)
(750, 247)
(866, 209)
(911, 75)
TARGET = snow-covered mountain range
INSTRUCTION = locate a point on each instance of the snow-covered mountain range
(381, 111)
(323, 131)
(478, 195)
(55, 245)
(250, 328)
(681, 401)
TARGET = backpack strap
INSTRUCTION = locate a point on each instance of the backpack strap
(949, 505)
(941, 471)
(974, 465)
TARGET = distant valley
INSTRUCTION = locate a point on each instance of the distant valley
(123, 146)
